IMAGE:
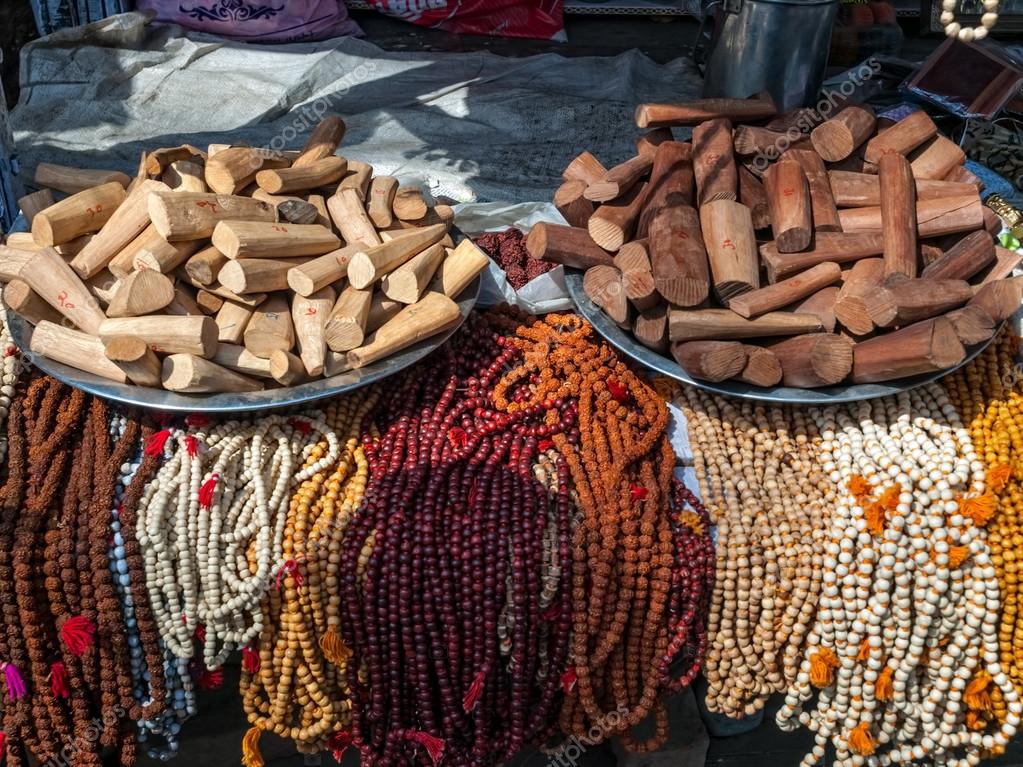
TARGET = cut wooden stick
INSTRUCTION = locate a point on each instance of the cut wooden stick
(181, 216)
(972, 324)
(566, 245)
(614, 222)
(571, 203)
(1000, 299)
(230, 171)
(250, 299)
(837, 138)
(825, 211)
(189, 374)
(605, 288)
(821, 304)
(898, 215)
(349, 216)
(433, 314)
(57, 284)
(232, 319)
(309, 277)
(586, 168)
(936, 158)
(710, 360)
(358, 178)
(840, 247)
(902, 137)
(407, 283)
(633, 261)
(31, 204)
(651, 327)
(256, 275)
(726, 325)
(962, 175)
(751, 140)
(1005, 262)
(370, 264)
(902, 302)
(24, 241)
(678, 259)
(135, 359)
(270, 327)
(714, 162)
(649, 141)
(309, 315)
(788, 197)
(166, 334)
(346, 325)
(150, 251)
(865, 277)
(619, 179)
(817, 359)
(155, 163)
(286, 368)
(20, 298)
(74, 180)
(75, 348)
(81, 213)
(438, 214)
(762, 367)
(945, 215)
(139, 293)
(322, 142)
(671, 174)
(184, 304)
(323, 172)
(753, 195)
(241, 360)
(381, 201)
(382, 309)
(924, 347)
(728, 235)
(757, 302)
(408, 204)
(861, 190)
(208, 303)
(185, 176)
(695, 112)
(256, 239)
(11, 261)
(204, 266)
(294, 210)
(964, 259)
(459, 269)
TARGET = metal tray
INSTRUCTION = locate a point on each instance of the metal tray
(626, 344)
(160, 399)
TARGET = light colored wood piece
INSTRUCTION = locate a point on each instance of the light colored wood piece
(408, 204)
(232, 170)
(358, 178)
(299, 179)
(270, 327)
(11, 261)
(322, 142)
(613, 223)
(135, 358)
(75, 348)
(381, 200)
(21, 299)
(572, 205)
(185, 176)
(346, 326)
(180, 216)
(241, 360)
(728, 235)
(166, 334)
(204, 266)
(184, 304)
(757, 302)
(31, 204)
(371, 263)
(255, 275)
(407, 283)
(139, 293)
(232, 319)
(726, 325)
(349, 216)
(286, 368)
(710, 360)
(189, 374)
(309, 277)
(257, 239)
(433, 314)
(57, 284)
(74, 180)
(463, 263)
(81, 213)
(309, 316)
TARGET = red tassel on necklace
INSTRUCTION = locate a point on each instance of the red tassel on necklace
(339, 743)
(300, 425)
(207, 490)
(156, 442)
(458, 437)
(192, 446)
(638, 492)
(289, 568)
(196, 420)
(618, 391)
(11, 351)
(250, 660)
(58, 680)
(568, 680)
(434, 746)
(472, 696)
(77, 634)
(211, 678)
(200, 633)
(544, 445)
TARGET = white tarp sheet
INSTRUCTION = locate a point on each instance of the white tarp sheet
(477, 126)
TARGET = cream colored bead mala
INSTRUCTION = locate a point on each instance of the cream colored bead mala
(211, 527)
(758, 475)
(905, 643)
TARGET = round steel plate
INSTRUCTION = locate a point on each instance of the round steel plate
(159, 399)
(631, 348)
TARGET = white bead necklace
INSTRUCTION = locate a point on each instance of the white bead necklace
(968, 34)
(211, 526)
(909, 614)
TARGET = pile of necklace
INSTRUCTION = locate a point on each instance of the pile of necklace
(903, 655)
(988, 394)
(624, 579)
(294, 677)
(758, 473)
(64, 653)
(211, 527)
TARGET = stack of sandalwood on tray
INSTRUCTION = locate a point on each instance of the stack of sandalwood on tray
(233, 269)
(772, 250)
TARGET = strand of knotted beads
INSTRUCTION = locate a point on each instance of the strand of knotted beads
(443, 568)
(211, 528)
(758, 473)
(988, 394)
(163, 689)
(293, 677)
(621, 464)
(904, 652)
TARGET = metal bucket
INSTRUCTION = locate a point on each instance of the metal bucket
(780, 46)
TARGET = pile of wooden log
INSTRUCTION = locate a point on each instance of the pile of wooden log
(856, 250)
(232, 269)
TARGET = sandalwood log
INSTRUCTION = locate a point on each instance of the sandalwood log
(74, 180)
(714, 162)
(651, 327)
(81, 213)
(757, 302)
(408, 204)
(407, 283)
(257, 239)
(319, 202)
(232, 319)
(619, 179)
(753, 195)
(936, 158)
(151, 251)
(369, 264)
(24, 241)
(822, 202)
(752, 140)
(614, 222)
(349, 216)
(462, 265)
(135, 359)
(21, 299)
(75, 348)
(11, 261)
(381, 201)
(382, 309)
(1000, 299)
(865, 277)
(762, 367)
(855, 163)
(839, 247)
(180, 216)
(241, 360)
(904, 302)
(566, 245)
(584, 167)
(286, 368)
(972, 324)
(438, 214)
(726, 325)
(633, 261)
(727, 228)
(788, 198)
(695, 112)
(801, 120)
(710, 360)
(208, 303)
(604, 287)
(433, 313)
(166, 334)
(185, 176)
(309, 277)
(309, 315)
(678, 259)
(860, 190)
(139, 293)
(670, 174)
(204, 266)
(346, 325)
(232, 170)
(902, 137)
(945, 215)
(839, 137)
(189, 374)
(31, 204)
(960, 174)
(256, 275)
(357, 178)
(155, 163)
(820, 304)
(571, 203)
(1005, 262)
(250, 299)
(322, 142)
(270, 327)
(310, 176)
(898, 215)
(964, 259)
(817, 359)
(183, 304)
(57, 284)
(924, 347)
(103, 286)
(649, 141)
